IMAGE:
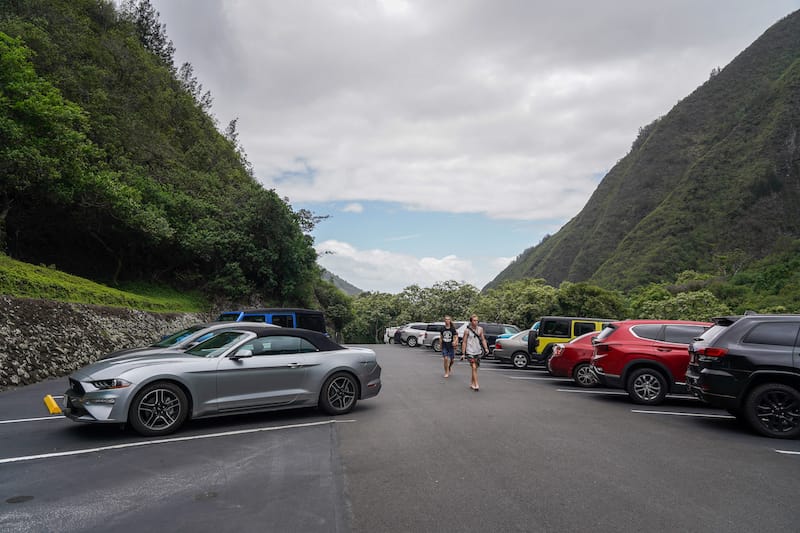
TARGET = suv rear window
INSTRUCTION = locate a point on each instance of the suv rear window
(648, 331)
(774, 333)
(607, 331)
(681, 334)
(435, 327)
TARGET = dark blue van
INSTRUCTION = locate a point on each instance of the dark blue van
(280, 316)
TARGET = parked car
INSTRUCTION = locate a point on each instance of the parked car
(513, 350)
(433, 335)
(183, 339)
(647, 358)
(279, 316)
(246, 369)
(491, 330)
(573, 360)
(553, 330)
(389, 334)
(750, 365)
(411, 334)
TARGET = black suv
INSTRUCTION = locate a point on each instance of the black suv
(750, 365)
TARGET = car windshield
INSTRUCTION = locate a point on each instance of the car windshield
(177, 337)
(216, 346)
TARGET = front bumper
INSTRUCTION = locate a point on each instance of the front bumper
(99, 406)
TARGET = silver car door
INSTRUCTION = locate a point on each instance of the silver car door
(273, 375)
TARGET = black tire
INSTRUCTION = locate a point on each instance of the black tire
(520, 360)
(411, 341)
(437, 345)
(339, 394)
(583, 376)
(158, 409)
(773, 410)
(391, 341)
(647, 386)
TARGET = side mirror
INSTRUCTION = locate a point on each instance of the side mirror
(242, 353)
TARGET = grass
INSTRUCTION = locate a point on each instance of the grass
(24, 280)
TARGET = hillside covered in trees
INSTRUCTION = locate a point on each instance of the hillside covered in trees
(713, 186)
(112, 166)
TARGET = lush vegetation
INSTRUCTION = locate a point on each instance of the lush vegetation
(31, 281)
(114, 169)
(712, 186)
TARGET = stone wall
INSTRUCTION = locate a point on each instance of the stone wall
(42, 339)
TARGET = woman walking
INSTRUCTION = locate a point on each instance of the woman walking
(473, 347)
(448, 339)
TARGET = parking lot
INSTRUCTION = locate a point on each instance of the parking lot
(528, 452)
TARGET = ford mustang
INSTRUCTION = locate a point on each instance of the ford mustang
(245, 369)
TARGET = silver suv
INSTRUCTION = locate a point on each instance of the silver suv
(410, 333)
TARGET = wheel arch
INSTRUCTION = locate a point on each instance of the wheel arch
(762, 377)
(164, 379)
(636, 364)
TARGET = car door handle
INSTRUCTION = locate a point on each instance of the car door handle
(664, 349)
(294, 365)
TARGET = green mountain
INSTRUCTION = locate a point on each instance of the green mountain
(113, 168)
(712, 186)
(339, 283)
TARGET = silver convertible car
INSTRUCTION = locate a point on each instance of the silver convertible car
(243, 370)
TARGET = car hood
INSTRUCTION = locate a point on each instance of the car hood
(146, 350)
(117, 366)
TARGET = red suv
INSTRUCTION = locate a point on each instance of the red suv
(571, 360)
(647, 358)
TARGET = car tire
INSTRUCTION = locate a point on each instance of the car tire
(773, 410)
(520, 360)
(411, 341)
(582, 375)
(339, 394)
(647, 386)
(158, 409)
(436, 345)
(391, 341)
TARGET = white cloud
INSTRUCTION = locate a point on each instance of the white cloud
(490, 103)
(380, 270)
(353, 208)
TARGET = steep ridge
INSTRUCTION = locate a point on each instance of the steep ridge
(716, 179)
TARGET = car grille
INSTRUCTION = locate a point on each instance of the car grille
(76, 386)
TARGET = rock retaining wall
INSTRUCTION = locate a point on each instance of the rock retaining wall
(42, 339)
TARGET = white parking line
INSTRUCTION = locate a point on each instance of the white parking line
(541, 379)
(680, 413)
(14, 421)
(611, 392)
(164, 441)
(788, 452)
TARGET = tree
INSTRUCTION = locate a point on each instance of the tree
(519, 302)
(583, 299)
(152, 33)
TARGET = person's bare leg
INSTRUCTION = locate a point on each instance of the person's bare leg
(446, 366)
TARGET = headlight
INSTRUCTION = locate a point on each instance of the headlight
(115, 383)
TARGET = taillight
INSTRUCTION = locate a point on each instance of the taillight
(497, 344)
(711, 352)
(600, 349)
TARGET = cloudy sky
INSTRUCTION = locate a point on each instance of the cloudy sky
(442, 138)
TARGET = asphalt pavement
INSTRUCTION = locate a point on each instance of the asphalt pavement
(527, 452)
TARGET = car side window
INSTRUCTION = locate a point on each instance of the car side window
(555, 328)
(648, 331)
(583, 327)
(775, 333)
(254, 318)
(281, 344)
(284, 321)
(682, 334)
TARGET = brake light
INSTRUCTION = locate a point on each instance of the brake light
(600, 349)
(497, 344)
(712, 352)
